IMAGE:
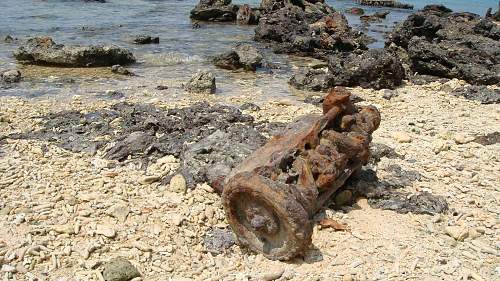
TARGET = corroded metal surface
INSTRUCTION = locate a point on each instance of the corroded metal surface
(270, 198)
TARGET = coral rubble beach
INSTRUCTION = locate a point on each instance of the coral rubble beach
(123, 183)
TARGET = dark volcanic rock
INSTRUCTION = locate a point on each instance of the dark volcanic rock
(241, 56)
(307, 29)
(44, 51)
(247, 15)
(376, 68)
(209, 140)
(451, 45)
(214, 10)
(378, 16)
(146, 39)
(479, 93)
(420, 203)
(311, 79)
(203, 82)
(390, 4)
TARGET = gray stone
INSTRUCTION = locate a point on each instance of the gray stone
(202, 82)
(119, 269)
(11, 76)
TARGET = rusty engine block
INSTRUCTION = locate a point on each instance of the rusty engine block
(270, 198)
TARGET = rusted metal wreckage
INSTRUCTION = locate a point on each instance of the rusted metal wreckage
(270, 198)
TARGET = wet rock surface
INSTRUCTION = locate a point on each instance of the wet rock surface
(306, 29)
(377, 69)
(44, 51)
(451, 45)
(146, 39)
(241, 56)
(203, 82)
(11, 76)
(247, 15)
(215, 10)
(479, 93)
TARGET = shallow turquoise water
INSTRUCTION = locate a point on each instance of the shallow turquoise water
(182, 50)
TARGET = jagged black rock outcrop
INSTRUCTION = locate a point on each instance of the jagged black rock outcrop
(451, 45)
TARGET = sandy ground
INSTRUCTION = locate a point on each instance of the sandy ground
(63, 215)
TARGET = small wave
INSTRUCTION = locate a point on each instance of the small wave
(170, 58)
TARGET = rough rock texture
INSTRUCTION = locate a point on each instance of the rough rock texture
(390, 4)
(146, 39)
(241, 56)
(218, 137)
(479, 93)
(214, 10)
(11, 76)
(451, 45)
(119, 269)
(307, 29)
(247, 15)
(217, 240)
(202, 82)
(44, 51)
(377, 69)
(355, 11)
(376, 17)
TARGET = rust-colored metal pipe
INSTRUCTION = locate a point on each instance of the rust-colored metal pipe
(270, 198)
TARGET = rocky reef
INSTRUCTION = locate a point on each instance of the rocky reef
(441, 43)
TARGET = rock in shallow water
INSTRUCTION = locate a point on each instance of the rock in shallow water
(146, 39)
(376, 68)
(44, 51)
(307, 29)
(214, 10)
(11, 76)
(451, 45)
(202, 82)
(243, 56)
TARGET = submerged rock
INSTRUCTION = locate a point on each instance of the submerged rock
(376, 68)
(146, 39)
(306, 29)
(214, 10)
(241, 56)
(247, 15)
(44, 51)
(203, 82)
(11, 76)
(451, 45)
